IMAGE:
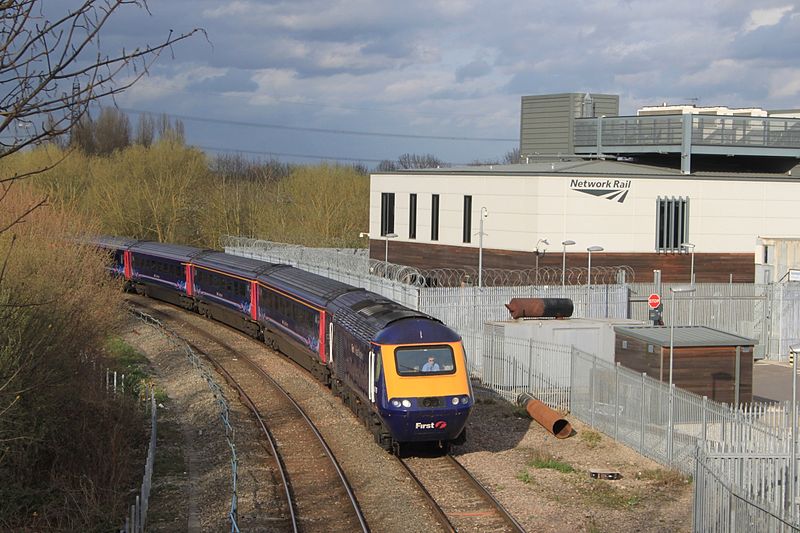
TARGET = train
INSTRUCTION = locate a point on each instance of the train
(402, 372)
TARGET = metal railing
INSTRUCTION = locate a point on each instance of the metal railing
(719, 505)
(741, 457)
(662, 423)
(333, 262)
(667, 130)
(136, 520)
(222, 403)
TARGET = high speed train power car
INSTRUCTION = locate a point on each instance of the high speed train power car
(401, 371)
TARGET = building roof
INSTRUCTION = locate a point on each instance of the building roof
(598, 167)
(684, 336)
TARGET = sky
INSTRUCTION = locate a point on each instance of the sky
(363, 81)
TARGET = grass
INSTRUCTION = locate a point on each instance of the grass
(591, 438)
(543, 460)
(602, 493)
(525, 477)
(126, 360)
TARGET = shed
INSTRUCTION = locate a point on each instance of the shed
(705, 361)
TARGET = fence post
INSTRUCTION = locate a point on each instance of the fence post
(705, 416)
(530, 365)
(591, 389)
(616, 401)
(641, 437)
(670, 424)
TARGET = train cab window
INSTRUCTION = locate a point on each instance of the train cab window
(424, 360)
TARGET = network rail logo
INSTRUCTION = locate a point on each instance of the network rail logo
(610, 189)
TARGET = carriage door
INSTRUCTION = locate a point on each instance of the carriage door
(371, 380)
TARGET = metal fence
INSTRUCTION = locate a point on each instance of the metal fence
(745, 457)
(661, 423)
(222, 403)
(137, 518)
(720, 504)
(767, 313)
(465, 309)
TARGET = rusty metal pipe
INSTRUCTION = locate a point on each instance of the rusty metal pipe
(545, 416)
(540, 307)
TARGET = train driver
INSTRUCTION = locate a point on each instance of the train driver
(431, 365)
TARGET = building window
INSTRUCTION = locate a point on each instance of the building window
(387, 213)
(672, 223)
(435, 217)
(412, 216)
(467, 219)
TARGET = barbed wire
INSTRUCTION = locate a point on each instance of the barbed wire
(357, 260)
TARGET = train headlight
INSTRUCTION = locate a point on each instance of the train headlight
(396, 403)
(464, 400)
(455, 400)
(406, 403)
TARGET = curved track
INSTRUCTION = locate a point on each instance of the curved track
(318, 494)
(460, 502)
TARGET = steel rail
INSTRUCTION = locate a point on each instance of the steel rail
(516, 526)
(345, 482)
(441, 516)
(264, 429)
(261, 372)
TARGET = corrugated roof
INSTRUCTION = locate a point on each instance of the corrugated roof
(684, 336)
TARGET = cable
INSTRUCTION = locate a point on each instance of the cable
(320, 130)
(283, 154)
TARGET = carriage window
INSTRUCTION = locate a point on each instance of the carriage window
(421, 360)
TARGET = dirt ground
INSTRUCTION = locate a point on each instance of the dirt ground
(542, 480)
(545, 481)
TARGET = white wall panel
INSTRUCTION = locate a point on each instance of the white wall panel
(725, 215)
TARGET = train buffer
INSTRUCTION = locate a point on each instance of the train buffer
(604, 473)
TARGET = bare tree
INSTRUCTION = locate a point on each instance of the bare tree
(52, 67)
(386, 165)
(411, 161)
(145, 130)
(512, 157)
(112, 131)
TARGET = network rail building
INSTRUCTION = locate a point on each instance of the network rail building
(718, 188)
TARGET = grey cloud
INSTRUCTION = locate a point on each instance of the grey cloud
(472, 70)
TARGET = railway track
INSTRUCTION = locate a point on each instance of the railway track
(318, 495)
(460, 502)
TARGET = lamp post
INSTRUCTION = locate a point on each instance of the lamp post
(590, 249)
(564, 264)
(538, 253)
(673, 290)
(386, 256)
(690, 246)
(484, 214)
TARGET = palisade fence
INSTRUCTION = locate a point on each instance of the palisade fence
(741, 457)
(137, 516)
(767, 313)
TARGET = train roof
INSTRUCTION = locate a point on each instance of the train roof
(112, 243)
(177, 252)
(245, 267)
(366, 314)
(315, 289)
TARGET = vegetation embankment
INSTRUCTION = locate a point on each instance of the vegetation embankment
(69, 449)
(171, 192)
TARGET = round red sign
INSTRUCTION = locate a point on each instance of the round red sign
(654, 300)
